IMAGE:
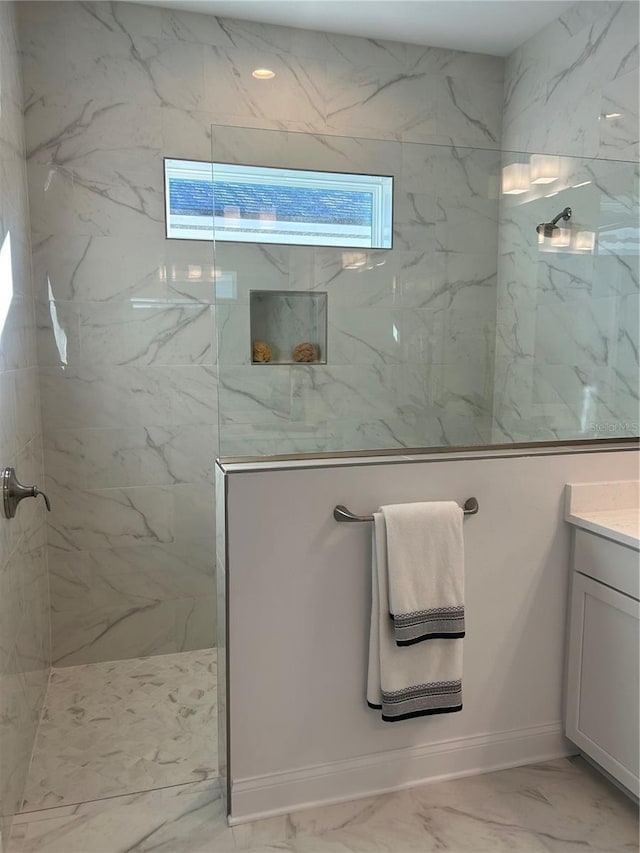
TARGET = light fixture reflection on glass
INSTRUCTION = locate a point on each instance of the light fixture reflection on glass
(583, 184)
(263, 74)
(589, 397)
(268, 214)
(544, 169)
(551, 195)
(194, 272)
(613, 115)
(585, 241)
(561, 238)
(354, 260)
(6, 280)
(515, 179)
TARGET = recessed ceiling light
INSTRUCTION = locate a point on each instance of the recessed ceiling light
(613, 115)
(263, 74)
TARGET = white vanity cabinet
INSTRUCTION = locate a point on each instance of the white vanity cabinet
(602, 705)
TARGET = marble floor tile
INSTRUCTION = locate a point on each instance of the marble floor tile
(559, 806)
(123, 727)
(172, 820)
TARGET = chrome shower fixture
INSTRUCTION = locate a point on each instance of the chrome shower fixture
(547, 228)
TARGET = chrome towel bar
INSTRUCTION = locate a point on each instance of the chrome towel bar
(341, 513)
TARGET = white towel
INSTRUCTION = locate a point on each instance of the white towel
(406, 682)
(426, 570)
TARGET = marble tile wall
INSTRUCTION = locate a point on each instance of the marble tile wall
(567, 319)
(24, 590)
(126, 336)
(410, 330)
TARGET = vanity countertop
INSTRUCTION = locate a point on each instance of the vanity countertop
(609, 509)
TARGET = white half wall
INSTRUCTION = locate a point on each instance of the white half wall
(298, 612)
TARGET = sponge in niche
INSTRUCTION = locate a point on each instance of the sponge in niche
(261, 352)
(306, 352)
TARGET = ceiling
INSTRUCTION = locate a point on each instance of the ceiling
(482, 26)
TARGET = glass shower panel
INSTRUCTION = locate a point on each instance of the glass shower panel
(567, 306)
(410, 330)
(473, 329)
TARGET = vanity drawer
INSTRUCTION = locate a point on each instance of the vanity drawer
(607, 561)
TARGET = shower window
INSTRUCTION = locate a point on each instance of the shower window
(258, 204)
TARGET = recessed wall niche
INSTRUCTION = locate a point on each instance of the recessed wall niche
(288, 327)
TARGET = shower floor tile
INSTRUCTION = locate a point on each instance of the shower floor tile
(123, 727)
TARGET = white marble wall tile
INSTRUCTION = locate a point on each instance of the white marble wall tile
(581, 15)
(115, 594)
(111, 398)
(110, 517)
(323, 391)
(233, 334)
(468, 226)
(555, 81)
(382, 97)
(196, 626)
(582, 334)
(296, 92)
(17, 336)
(470, 111)
(104, 269)
(619, 134)
(138, 575)
(193, 514)
(246, 397)
(141, 333)
(68, 203)
(128, 396)
(108, 458)
(383, 335)
(43, 47)
(149, 71)
(113, 633)
(117, 204)
(625, 353)
(78, 136)
(192, 394)
(245, 268)
(445, 171)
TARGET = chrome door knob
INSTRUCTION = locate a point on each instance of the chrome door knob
(13, 492)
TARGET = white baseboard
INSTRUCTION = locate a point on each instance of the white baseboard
(278, 793)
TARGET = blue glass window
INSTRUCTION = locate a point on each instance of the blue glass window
(256, 204)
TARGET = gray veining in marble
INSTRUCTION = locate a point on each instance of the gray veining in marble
(558, 806)
(464, 333)
(124, 727)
